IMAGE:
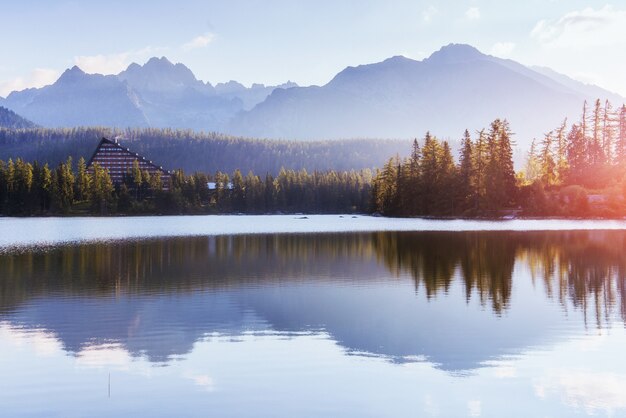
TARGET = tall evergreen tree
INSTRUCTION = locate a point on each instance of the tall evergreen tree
(480, 171)
(466, 173)
(561, 153)
(83, 180)
(239, 192)
(506, 163)
(101, 192)
(608, 129)
(546, 160)
(620, 148)
(595, 146)
(446, 187)
(532, 170)
(577, 157)
(429, 172)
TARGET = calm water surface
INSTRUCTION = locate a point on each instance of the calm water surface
(361, 324)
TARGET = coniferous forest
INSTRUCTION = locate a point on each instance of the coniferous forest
(576, 170)
(36, 189)
(200, 151)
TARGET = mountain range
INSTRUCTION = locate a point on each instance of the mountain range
(455, 88)
(157, 94)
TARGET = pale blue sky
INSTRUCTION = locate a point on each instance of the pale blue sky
(308, 42)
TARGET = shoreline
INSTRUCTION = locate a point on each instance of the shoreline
(51, 231)
(370, 215)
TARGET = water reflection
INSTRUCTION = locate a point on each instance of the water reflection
(458, 300)
(584, 268)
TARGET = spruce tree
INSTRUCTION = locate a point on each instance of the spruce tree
(480, 166)
(546, 160)
(532, 170)
(577, 157)
(561, 153)
(595, 146)
(506, 163)
(429, 172)
(620, 148)
(466, 173)
(446, 181)
(608, 128)
(82, 181)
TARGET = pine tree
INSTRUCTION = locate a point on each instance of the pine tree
(607, 132)
(82, 181)
(45, 191)
(561, 153)
(137, 178)
(506, 163)
(63, 187)
(620, 148)
(446, 193)
(595, 146)
(386, 187)
(156, 183)
(480, 167)
(583, 128)
(532, 171)
(239, 192)
(429, 172)
(3, 186)
(270, 193)
(101, 190)
(546, 160)
(466, 172)
(500, 172)
(494, 196)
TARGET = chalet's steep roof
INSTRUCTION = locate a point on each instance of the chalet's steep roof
(126, 151)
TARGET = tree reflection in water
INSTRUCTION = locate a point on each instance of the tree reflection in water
(584, 268)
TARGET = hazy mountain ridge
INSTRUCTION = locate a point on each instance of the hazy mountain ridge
(11, 120)
(588, 90)
(77, 98)
(455, 88)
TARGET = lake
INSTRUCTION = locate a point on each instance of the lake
(325, 316)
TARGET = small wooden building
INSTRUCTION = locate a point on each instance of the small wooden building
(119, 162)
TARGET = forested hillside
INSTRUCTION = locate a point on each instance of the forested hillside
(205, 152)
(11, 120)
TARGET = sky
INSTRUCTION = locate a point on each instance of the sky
(306, 41)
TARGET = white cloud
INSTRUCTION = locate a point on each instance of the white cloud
(502, 49)
(104, 355)
(473, 13)
(102, 64)
(587, 27)
(587, 44)
(37, 78)
(584, 390)
(429, 13)
(198, 42)
(44, 343)
(112, 63)
(505, 372)
(204, 381)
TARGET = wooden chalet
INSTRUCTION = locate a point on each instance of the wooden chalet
(119, 162)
